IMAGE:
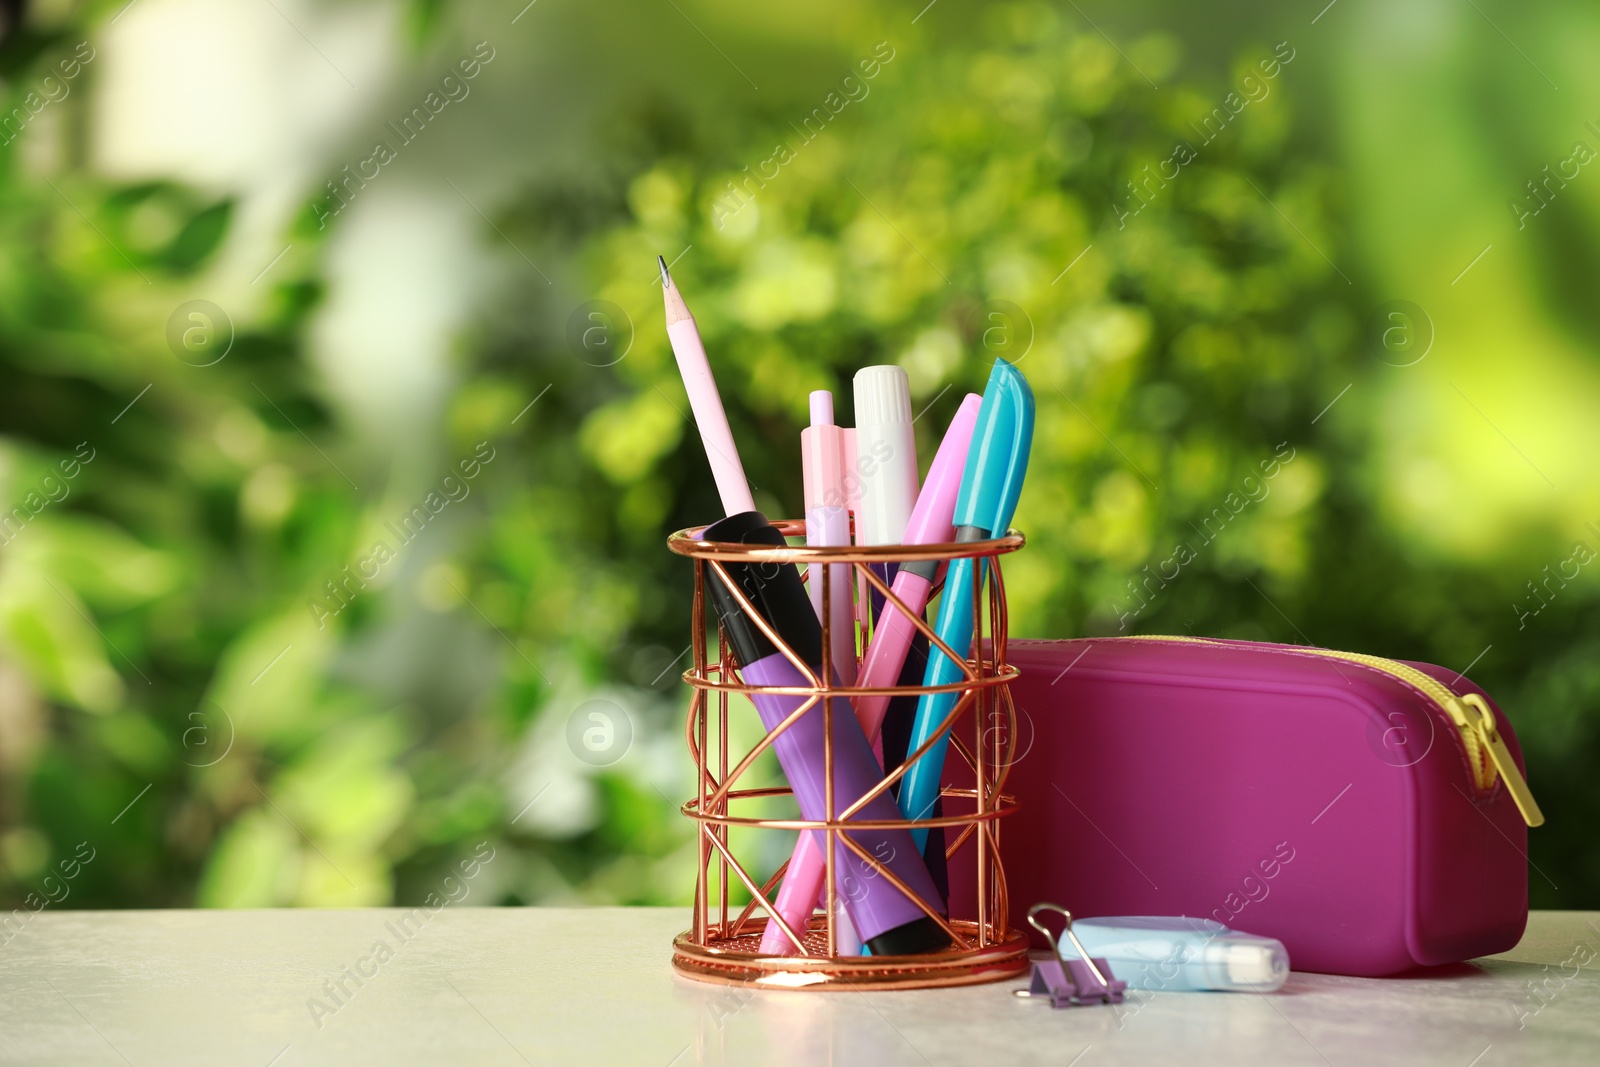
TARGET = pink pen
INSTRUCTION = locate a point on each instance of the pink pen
(829, 526)
(828, 523)
(823, 456)
(932, 521)
(852, 474)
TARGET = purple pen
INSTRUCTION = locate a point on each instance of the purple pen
(888, 922)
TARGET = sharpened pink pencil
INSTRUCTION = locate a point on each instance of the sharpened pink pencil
(704, 400)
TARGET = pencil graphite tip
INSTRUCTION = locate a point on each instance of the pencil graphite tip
(677, 310)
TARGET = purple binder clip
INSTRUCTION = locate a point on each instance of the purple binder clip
(1070, 983)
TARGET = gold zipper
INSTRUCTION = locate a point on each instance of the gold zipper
(1471, 715)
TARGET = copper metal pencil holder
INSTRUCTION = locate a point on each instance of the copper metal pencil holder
(724, 945)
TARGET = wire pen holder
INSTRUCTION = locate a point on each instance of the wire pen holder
(723, 945)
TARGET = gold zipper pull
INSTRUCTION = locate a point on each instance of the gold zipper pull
(1516, 785)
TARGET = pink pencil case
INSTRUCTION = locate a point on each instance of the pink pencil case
(1370, 814)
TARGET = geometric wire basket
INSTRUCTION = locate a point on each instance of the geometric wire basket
(723, 946)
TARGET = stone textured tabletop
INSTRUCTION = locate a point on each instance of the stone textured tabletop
(592, 987)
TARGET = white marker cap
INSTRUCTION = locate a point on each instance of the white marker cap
(886, 455)
(883, 396)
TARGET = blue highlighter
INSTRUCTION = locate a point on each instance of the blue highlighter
(990, 486)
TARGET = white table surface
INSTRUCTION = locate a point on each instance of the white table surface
(592, 987)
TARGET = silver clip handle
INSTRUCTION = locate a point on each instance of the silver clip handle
(1066, 928)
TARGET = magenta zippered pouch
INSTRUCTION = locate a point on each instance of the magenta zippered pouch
(1371, 814)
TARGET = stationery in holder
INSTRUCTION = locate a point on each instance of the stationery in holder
(736, 818)
(779, 651)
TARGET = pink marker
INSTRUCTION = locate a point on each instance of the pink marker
(822, 446)
(932, 522)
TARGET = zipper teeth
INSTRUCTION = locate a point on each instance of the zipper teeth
(1482, 769)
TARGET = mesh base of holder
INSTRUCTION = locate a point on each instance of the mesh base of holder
(738, 961)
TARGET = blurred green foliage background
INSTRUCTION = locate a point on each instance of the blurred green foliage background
(209, 671)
